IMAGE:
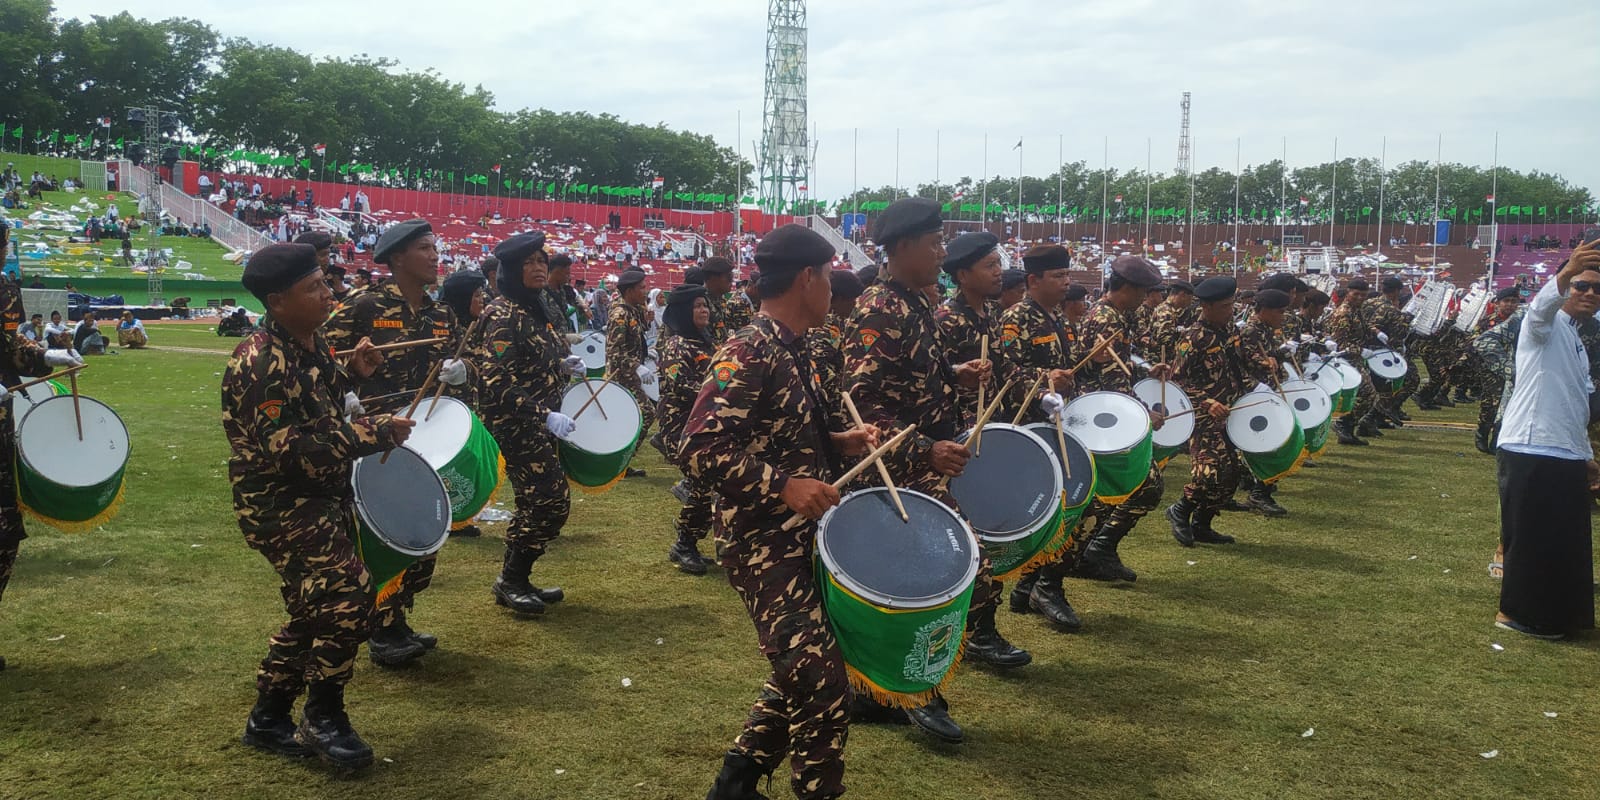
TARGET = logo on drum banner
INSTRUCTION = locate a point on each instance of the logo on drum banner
(933, 649)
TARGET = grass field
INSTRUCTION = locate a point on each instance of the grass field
(1364, 616)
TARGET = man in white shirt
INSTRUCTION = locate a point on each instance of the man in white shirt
(1546, 465)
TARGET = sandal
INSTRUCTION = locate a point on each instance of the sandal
(1497, 570)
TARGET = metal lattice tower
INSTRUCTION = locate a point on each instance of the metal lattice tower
(1183, 139)
(785, 158)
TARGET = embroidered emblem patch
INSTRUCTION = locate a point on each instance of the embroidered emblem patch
(868, 337)
(672, 371)
(500, 349)
(1009, 334)
(723, 373)
(271, 409)
(1045, 339)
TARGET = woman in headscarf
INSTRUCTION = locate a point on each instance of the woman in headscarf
(658, 306)
(466, 293)
(526, 364)
(685, 360)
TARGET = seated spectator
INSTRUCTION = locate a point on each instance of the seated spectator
(180, 307)
(33, 329)
(56, 333)
(130, 332)
(86, 338)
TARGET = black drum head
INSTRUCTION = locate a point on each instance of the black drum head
(1080, 485)
(1010, 488)
(865, 544)
(402, 501)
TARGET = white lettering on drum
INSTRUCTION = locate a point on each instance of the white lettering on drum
(1035, 505)
(955, 544)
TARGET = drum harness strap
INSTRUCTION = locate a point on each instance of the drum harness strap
(802, 364)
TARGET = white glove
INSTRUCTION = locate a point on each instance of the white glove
(352, 406)
(1051, 403)
(1333, 347)
(560, 424)
(574, 366)
(1365, 353)
(63, 358)
(4, 393)
(1261, 387)
(453, 372)
(1291, 347)
(1307, 338)
(646, 373)
(1383, 337)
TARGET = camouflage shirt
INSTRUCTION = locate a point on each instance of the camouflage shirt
(625, 345)
(684, 364)
(18, 355)
(1033, 338)
(283, 413)
(1217, 363)
(1388, 319)
(719, 317)
(757, 422)
(737, 313)
(1143, 325)
(1168, 326)
(1104, 322)
(383, 315)
(1352, 328)
(962, 328)
(825, 343)
(519, 357)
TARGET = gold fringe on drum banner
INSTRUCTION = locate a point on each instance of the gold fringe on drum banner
(864, 685)
(388, 588)
(1059, 542)
(74, 526)
(1290, 470)
(601, 489)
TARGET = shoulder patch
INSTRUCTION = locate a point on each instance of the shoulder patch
(1010, 333)
(723, 373)
(1045, 339)
(868, 336)
(673, 370)
(271, 409)
(500, 348)
(389, 323)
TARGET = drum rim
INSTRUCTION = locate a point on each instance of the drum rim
(637, 410)
(366, 520)
(1148, 428)
(465, 438)
(1093, 467)
(1296, 412)
(1279, 403)
(1185, 421)
(597, 336)
(22, 454)
(1346, 370)
(1033, 526)
(1391, 351)
(879, 599)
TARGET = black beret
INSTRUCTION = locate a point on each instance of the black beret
(560, 260)
(1281, 281)
(1076, 293)
(317, 239)
(1211, 290)
(868, 274)
(1137, 271)
(1180, 286)
(1357, 285)
(717, 265)
(1392, 284)
(792, 247)
(1301, 286)
(907, 217)
(968, 249)
(1272, 298)
(632, 277)
(333, 269)
(845, 284)
(1012, 278)
(458, 289)
(1046, 257)
(1508, 293)
(514, 251)
(397, 236)
(277, 267)
(694, 276)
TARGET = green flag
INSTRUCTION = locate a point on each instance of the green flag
(18, 133)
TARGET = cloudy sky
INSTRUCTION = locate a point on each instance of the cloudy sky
(1043, 71)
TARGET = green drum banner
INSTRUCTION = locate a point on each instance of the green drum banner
(899, 657)
(1317, 438)
(1119, 475)
(1269, 468)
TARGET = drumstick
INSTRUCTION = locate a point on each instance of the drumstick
(461, 347)
(594, 397)
(76, 414)
(1118, 359)
(1235, 408)
(1100, 344)
(883, 469)
(1061, 440)
(1017, 420)
(383, 348)
(983, 355)
(416, 401)
(52, 376)
(845, 479)
(985, 416)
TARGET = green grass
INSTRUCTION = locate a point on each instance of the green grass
(1366, 615)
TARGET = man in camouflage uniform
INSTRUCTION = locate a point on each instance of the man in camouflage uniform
(1034, 337)
(717, 273)
(973, 313)
(686, 349)
(1170, 321)
(626, 350)
(760, 435)
(1263, 333)
(399, 310)
(285, 402)
(826, 341)
(1144, 317)
(1352, 330)
(741, 307)
(18, 356)
(526, 364)
(1215, 366)
(897, 369)
(1487, 362)
(1394, 327)
(1013, 288)
(564, 299)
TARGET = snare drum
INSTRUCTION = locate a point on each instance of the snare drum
(1116, 428)
(402, 515)
(1388, 366)
(67, 482)
(1011, 493)
(599, 450)
(592, 349)
(896, 594)
(454, 442)
(1262, 426)
(1313, 409)
(1173, 437)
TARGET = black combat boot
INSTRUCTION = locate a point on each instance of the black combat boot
(661, 446)
(987, 646)
(737, 780)
(1484, 438)
(686, 554)
(466, 532)
(1426, 401)
(270, 725)
(1345, 429)
(1442, 399)
(325, 729)
(1398, 414)
(1048, 599)
(634, 472)
(934, 718)
(427, 640)
(1202, 528)
(1100, 561)
(512, 589)
(680, 490)
(1020, 592)
(1262, 503)
(1368, 427)
(1178, 514)
(390, 646)
(1461, 397)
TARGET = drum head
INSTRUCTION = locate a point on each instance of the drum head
(1263, 427)
(1348, 373)
(402, 501)
(1079, 461)
(1012, 488)
(440, 435)
(1174, 432)
(1388, 365)
(1107, 422)
(592, 349)
(869, 550)
(611, 432)
(25, 399)
(1312, 405)
(1327, 376)
(47, 441)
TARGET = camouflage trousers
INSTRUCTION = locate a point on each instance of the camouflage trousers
(1392, 396)
(804, 707)
(416, 578)
(647, 409)
(543, 499)
(11, 530)
(695, 518)
(1214, 465)
(8, 562)
(329, 596)
(1121, 518)
(1440, 358)
(1366, 398)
